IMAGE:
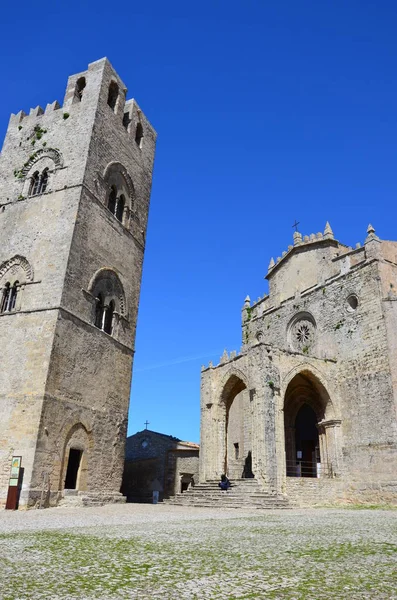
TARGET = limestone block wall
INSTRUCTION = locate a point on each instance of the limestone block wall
(70, 379)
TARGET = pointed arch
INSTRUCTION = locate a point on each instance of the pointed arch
(231, 380)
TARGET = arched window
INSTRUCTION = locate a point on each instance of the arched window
(113, 95)
(112, 199)
(9, 297)
(108, 320)
(99, 309)
(13, 296)
(38, 183)
(139, 135)
(34, 184)
(78, 91)
(120, 208)
(43, 182)
(110, 306)
(5, 298)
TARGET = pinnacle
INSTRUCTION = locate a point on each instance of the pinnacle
(328, 228)
(271, 263)
(370, 229)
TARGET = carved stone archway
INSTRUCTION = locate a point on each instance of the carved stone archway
(312, 433)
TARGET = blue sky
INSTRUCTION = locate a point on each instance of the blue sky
(265, 112)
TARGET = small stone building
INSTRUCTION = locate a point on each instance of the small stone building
(75, 186)
(309, 405)
(158, 462)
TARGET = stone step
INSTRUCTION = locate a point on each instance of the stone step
(244, 493)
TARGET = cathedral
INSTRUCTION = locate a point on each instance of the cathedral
(75, 185)
(308, 407)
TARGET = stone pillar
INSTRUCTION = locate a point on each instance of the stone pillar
(331, 444)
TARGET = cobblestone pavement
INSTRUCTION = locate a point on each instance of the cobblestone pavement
(150, 552)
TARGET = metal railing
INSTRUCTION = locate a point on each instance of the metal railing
(306, 468)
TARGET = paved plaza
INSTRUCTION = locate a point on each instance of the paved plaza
(158, 551)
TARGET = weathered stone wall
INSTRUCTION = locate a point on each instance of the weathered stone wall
(154, 461)
(61, 374)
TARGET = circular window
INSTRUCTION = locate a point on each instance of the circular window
(301, 332)
(144, 444)
(352, 303)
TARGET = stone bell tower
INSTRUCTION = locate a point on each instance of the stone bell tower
(75, 186)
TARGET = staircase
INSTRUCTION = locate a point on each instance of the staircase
(244, 493)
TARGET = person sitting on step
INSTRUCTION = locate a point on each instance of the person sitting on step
(224, 483)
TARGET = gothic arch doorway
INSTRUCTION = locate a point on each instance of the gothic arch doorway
(310, 447)
(234, 397)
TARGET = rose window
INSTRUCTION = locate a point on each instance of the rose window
(301, 333)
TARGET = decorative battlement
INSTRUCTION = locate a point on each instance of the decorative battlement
(99, 83)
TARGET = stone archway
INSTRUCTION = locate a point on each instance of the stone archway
(312, 446)
(233, 400)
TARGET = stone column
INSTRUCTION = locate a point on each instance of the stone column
(332, 445)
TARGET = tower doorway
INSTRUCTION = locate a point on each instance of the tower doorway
(73, 467)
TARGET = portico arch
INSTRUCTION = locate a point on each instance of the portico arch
(233, 444)
(311, 430)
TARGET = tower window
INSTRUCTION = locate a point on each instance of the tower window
(104, 315)
(139, 135)
(116, 204)
(112, 199)
(113, 95)
(120, 208)
(126, 120)
(9, 297)
(34, 184)
(108, 320)
(43, 181)
(109, 306)
(78, 91)
(99, 310)
(38, 183)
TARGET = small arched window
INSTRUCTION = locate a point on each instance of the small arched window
(120, 208)
(112, 199)
(9, 298)
(34, 184)
(113, 95)
(99, 309)
(5, 298)
(78, 91)
(110, 305)
(139, 135)
(38, 183)
(43, 182)
(13, 296)
(108, 320)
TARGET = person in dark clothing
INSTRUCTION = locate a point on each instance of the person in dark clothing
(224, 483)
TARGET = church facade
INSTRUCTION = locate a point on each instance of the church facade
(309, 406)
(75, 185)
